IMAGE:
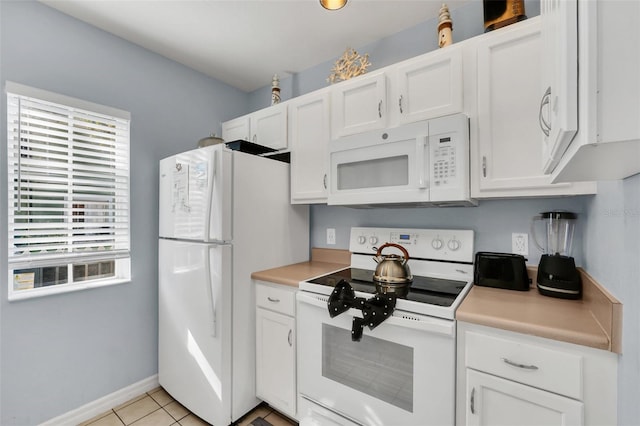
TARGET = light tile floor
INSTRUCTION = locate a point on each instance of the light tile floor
(158, 408)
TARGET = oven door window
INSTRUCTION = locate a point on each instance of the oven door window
(379, 368)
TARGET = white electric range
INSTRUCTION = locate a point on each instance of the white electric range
(401, 372)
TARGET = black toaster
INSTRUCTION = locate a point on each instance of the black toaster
(501, 270)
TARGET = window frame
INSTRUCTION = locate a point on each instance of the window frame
(107, 258)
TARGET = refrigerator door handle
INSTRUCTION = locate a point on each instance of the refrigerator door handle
(209, 284)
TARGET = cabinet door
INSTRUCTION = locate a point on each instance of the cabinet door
(359, 105)
(494, 401)
(275, 360)
(507, 158)
(269, 127)
(428, 86)
(309, 136)
(236, 129)
(558, 110)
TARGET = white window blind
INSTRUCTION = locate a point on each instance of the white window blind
(68, 178)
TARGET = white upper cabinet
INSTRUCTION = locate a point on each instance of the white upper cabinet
(427, 86)
(607, 143)
(266, 127)
(505, 134)
(269, 127)
(359, 105)
(236, 129)
(558, 115)
(309, 135)
(424, 87)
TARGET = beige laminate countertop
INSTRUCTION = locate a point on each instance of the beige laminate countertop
(323, 261)
(593, 321)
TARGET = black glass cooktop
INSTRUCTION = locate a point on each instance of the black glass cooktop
(434, 291)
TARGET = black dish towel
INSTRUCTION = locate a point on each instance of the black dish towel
(374, 310)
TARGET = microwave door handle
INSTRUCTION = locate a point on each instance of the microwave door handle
(422, 161)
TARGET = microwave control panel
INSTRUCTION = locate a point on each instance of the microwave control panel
(448, 143)
(449, 157)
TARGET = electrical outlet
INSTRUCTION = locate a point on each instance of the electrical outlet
(520, 244)
(331, 236)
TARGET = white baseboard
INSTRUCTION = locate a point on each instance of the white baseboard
(104, 404)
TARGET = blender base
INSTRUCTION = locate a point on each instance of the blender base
(558, 277)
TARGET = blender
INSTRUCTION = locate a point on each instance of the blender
(557, 273)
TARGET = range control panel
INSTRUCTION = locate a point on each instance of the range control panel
(452, 245)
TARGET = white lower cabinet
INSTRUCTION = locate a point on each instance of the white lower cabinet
(507, 378)
(495, 401)
(276, 347)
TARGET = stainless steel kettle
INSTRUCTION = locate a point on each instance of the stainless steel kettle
(392, 275)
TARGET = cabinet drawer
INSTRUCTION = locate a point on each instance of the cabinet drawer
(549, 369)
(281, 300)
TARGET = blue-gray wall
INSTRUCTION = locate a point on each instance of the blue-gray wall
(612, 253)
(60, 352)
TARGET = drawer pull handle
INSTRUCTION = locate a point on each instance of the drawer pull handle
(270, 299)
(515, 364)
(289, 338)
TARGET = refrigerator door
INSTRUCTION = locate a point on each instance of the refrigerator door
(195, 195)
(194, 339)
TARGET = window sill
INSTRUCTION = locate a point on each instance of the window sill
(63, 288)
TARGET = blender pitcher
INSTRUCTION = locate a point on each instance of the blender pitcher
(559, 227)
(557, 273)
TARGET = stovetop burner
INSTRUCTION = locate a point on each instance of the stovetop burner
(434, 291)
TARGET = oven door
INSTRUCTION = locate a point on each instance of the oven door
(400, 373)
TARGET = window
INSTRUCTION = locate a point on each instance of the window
(68, 190)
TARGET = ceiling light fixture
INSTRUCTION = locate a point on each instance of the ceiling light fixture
(333, 4)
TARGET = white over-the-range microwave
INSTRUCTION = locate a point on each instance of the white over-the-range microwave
(422, 163)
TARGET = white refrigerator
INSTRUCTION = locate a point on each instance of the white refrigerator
(223, 215)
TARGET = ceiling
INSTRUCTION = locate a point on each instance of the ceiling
(244, 42)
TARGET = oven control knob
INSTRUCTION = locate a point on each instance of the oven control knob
(373, 240)
(453, 244)
(362, 239)
(437, 243)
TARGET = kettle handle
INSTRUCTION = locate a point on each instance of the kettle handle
(402, 249)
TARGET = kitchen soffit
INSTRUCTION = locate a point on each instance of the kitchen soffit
(242, 42)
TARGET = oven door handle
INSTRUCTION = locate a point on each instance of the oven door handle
(407, 320)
